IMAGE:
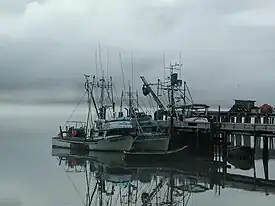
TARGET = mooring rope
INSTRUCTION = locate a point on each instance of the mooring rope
(75, 109)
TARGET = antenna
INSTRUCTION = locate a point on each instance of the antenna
(107, 63)
(122, 71)
(163, 67)
(96, 66)
(132, 71)
(180, 65)
(100, 60)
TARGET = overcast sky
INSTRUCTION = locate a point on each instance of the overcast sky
(227, 47)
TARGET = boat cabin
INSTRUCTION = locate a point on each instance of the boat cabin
(161, 115)
(141, 116)
(242, 106)
(119, 126)
(192, 110)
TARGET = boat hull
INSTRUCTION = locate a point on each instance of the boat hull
(151, 144)
(60, 143)
(169, 155)
(119, 143)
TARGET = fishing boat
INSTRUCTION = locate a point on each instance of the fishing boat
(114, 135)
(72, 136)
(150, 137)
(148, 134)
(155, 156)
(181, 110)
(101, 135)
(148, 142)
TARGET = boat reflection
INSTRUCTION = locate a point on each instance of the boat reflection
(110, 180)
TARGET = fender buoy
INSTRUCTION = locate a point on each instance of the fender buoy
(74, 132)
(73, 162)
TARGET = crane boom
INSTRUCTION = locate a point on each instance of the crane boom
(161, 106)
(150, 196)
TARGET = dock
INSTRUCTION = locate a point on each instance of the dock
(247, 120)
(243, 128)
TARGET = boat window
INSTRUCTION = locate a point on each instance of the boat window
(101, 133)
(119, 131)
(150, 129)
(195, 113)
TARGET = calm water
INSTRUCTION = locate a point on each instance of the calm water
(29, 175)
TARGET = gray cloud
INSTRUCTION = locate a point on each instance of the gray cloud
(47, 46)
(14, 6)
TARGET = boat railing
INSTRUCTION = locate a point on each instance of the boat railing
(76, 124)
(69, 128)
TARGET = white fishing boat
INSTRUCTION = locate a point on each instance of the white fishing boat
(114, 135)
(104, 135)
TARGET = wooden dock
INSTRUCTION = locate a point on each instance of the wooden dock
(241, 128)
(247, 128)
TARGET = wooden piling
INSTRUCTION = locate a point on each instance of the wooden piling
(247, 138)
(265, 160)
(224, 154)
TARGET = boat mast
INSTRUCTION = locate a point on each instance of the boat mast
(137, 100)
(130, 101)
(112, 96)
(87, 86)
(158, 88)
(173, 82)
(102, 80)
(92, 96)
(172, 94)
(121, 102)
(184, 93)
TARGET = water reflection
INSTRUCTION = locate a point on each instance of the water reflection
(112, 181)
